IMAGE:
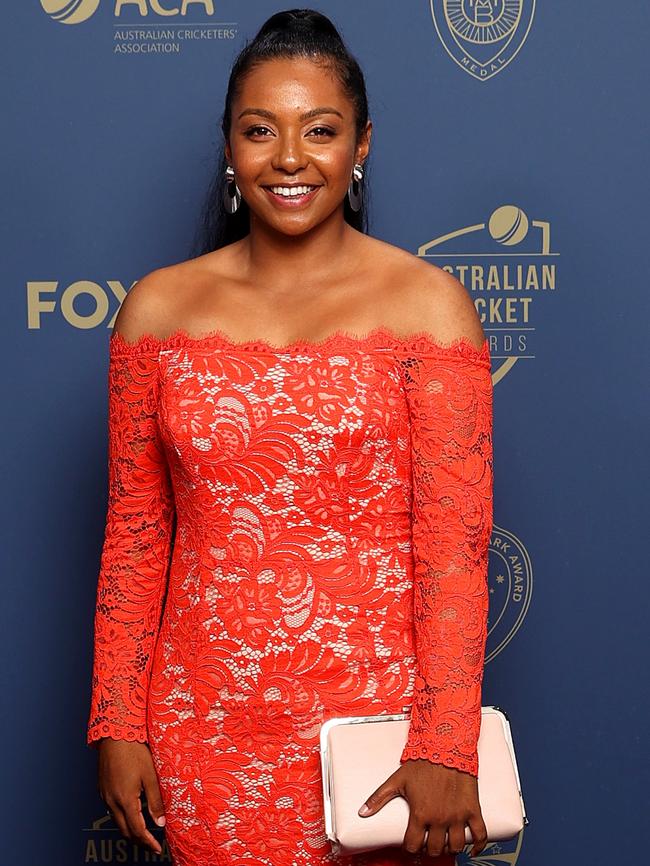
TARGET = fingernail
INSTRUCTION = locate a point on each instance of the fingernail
(160, 821)
(364, 810)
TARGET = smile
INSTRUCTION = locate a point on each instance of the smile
(291, 196)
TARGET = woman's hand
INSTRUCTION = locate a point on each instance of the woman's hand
(125, 768)
(441, 800)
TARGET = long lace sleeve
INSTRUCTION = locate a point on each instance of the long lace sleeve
(137, 541)
(449, 393)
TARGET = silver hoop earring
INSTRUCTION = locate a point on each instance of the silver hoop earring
(354, 189)
(231, 200)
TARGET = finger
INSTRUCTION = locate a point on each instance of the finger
(415, 837)
(436, 840)
(479, 833)
(379, 797)
(118, 817)
(136, 823)
(456, 838)
(154, 799)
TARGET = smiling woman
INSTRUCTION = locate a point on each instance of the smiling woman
(310, 48)
(300, 498)
(281, 149)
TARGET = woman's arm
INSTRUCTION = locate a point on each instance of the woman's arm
(136, 548)
(450, 401)
(449, 393)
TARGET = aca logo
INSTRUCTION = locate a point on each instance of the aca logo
(506, 263)
(482, 36)
(137, 34)
(76, 11)
(70, 11)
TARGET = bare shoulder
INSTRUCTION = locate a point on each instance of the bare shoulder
(162, 300)
(428, 298)
(417, 295)
(147, 307)
(444, 306)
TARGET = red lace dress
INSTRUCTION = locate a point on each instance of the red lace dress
(292, 533)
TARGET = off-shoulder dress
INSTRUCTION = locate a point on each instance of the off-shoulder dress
(292, 533)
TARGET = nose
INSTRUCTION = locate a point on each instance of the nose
(289, 153)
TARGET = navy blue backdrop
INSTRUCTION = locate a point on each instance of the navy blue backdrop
(518, 160)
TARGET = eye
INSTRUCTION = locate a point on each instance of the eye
(253, 130)
(324, 130)
(317, 130)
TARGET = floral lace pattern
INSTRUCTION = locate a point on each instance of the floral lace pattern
(293, 532)
(136, 548)
(451, 447)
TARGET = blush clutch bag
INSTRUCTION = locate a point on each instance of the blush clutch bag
(358, 753)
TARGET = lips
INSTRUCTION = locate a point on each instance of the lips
(288, 185)
(292, 186)
(291, 201)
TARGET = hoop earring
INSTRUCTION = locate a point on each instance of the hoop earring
(231, 200)
(354, 189)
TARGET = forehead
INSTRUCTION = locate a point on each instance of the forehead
(291, 85)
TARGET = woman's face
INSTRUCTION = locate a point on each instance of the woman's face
(273, 143)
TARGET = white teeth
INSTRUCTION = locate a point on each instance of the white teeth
(291, 190)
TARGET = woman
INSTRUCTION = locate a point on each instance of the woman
(300, 499)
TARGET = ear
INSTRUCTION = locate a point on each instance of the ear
(363, 148)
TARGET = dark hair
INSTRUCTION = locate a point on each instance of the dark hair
(291, 33)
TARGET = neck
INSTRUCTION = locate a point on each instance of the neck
(284, 264)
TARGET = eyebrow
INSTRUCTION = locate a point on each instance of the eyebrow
(263, 112)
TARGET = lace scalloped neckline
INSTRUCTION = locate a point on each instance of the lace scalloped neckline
(381, 337)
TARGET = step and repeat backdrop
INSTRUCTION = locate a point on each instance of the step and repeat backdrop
(510, 147)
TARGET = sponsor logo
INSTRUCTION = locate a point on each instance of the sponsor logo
(508, 266)
(149, 26)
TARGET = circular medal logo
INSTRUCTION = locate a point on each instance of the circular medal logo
(483, 21)
(482, 36)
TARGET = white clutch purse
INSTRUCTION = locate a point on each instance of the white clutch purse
(358, 753)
